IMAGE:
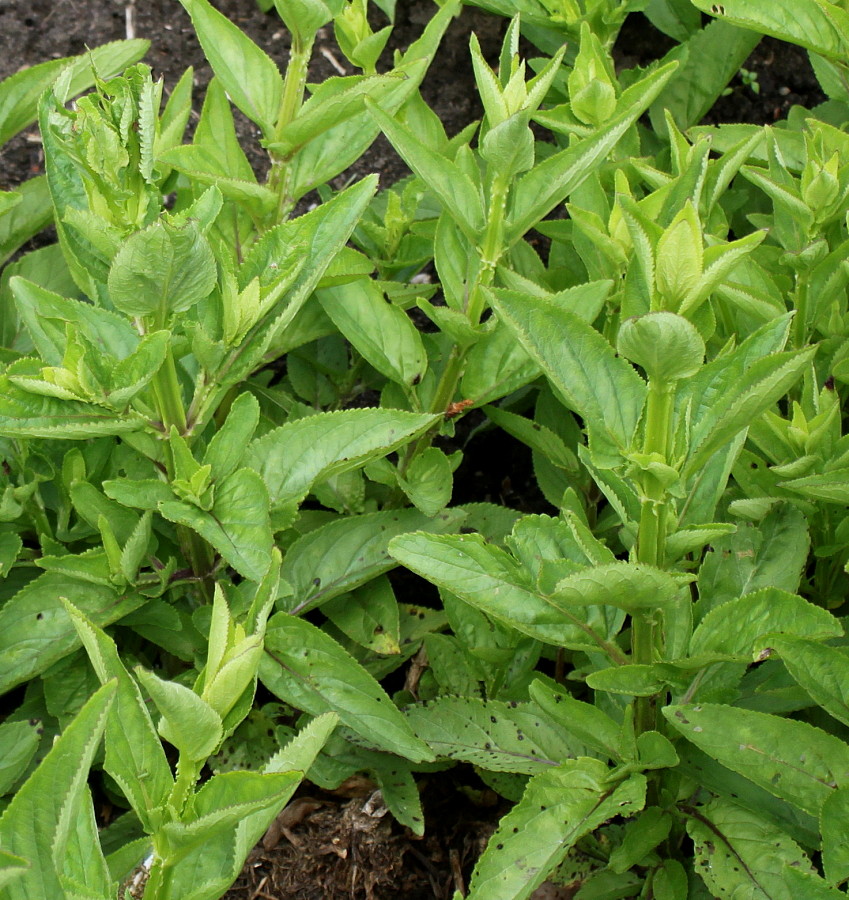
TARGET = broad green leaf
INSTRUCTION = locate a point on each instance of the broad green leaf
(792, 760)
(237, 525)
(368, 615)
(401, 794)
(834, 822)
(497, 736)
(307, 668)
(27, 415)
(821, 670)
(382, 333)
(735, 627)
(709, 59)
(38, 821)
(33, 213)
(310, 243)
(492, 581)
(818, 25)
(20, 93)
(770, 555)
(18, 743)
(809, 885)
(134, 754)
(581, 365)
(741, 855)
(557, 809)
(349, 552)
(641, 836)
(586, 722)
(666, 345)
(162, 270)
(629, 586)
(35, 630)
(188, 722)
(247, 73)
(46, 315)
(428, 481)
(550, 182)
(291, 458)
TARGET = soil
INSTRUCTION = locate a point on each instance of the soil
(329, 846)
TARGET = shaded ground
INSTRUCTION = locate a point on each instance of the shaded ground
(344, 847)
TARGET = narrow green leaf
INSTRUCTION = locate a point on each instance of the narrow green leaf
(557, 809)
(227, 448)
(188, 722)
(134, 754)
(84, 871)
(368, 615)
(42, 813)
(581, 365)
(586, 722)
(248, 74)
(306, 667)
(834, 823)
(550, 182)
(792, 760)
(33, 213)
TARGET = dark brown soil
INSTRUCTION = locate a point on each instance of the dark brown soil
(333, 848)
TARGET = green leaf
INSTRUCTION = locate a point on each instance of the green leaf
(18, 743)
(368, 615)
(41, 815)
(792, 760)
(818, 25)
(291, 458)
(188, 722)
(834, 823)
(20, 93)
(629, 586)
(35, 630)
(428, 481)
(581, 365)
(735, 628)
(237, 525)
(765, 382)
(11, 867)
(33, 213)
(306, 667)
(492, 581)
(586, 722)
(134, 754)
(228, 445)
(27, 415)
(822, 671)
(641, 836)
(382, 333)
(85, 871)
(832, 486)
(247, 73)
(456, 191)
(162, 270)
(666, 345)
(497, 736)
(348, 552)
(550, 182)
(739, 854)
(557, 809)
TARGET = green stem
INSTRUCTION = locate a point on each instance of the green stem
(280, 175)
(651, 538)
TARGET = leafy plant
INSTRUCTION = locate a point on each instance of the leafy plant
(221, 429)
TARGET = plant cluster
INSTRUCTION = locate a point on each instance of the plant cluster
(220, 429)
